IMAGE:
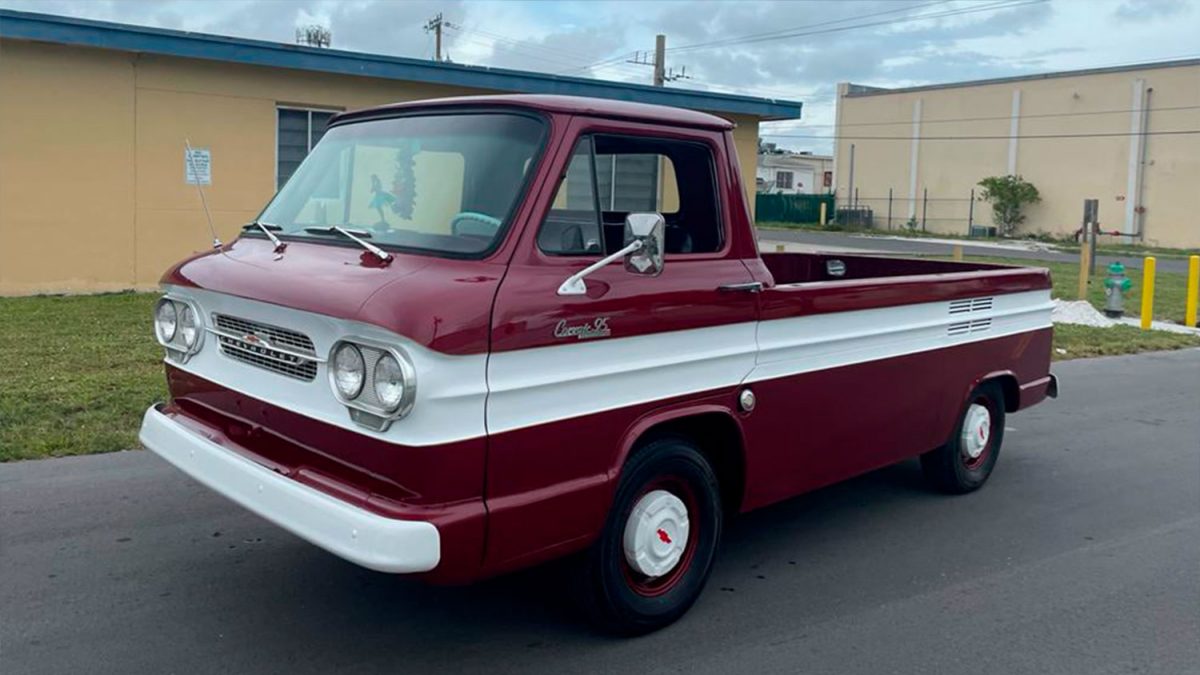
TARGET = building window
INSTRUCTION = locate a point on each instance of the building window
(783, 180)
(298, 131)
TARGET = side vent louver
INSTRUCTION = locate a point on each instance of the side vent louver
(968, 327)
(969, 306)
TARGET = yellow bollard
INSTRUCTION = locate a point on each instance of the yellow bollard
(1148, 292)
(956, 252)
(1085, 265)
(779, 248)
(822, 214)
(1193, 290)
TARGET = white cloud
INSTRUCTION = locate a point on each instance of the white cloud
(828, 42)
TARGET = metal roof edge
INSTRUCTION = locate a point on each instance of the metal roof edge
(857, 90)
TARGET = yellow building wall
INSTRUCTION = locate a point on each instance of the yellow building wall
(1065, 170)
(92, 189)
(66, 179)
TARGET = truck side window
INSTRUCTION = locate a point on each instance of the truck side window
(572, 227)
(674, 178)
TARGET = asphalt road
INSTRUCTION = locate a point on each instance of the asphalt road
(921, 246)
(1082, 555)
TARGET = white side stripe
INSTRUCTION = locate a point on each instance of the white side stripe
(546, 384)
(807, 343)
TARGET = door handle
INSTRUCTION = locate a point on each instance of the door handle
(748, 287)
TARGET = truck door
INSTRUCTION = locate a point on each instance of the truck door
(569, 375)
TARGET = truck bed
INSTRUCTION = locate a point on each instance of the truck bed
(803, 268)
(804, 284)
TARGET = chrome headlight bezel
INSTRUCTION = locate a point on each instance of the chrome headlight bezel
(177, 346)
(366, 408)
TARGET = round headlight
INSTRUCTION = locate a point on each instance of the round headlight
(349, 371)
(166, 319)
(389, 382)
(187, 326)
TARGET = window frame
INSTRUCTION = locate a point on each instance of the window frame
(309, 109)
(599, 214)
(791, 179)
(673, 136)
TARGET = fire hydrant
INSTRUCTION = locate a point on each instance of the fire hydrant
(1115, 288)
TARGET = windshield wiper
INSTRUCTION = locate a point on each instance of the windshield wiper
(266, 229)
(357, 236)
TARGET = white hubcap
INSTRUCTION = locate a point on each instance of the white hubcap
(656, 533)
(977, 429)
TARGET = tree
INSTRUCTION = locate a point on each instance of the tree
(1008, 195)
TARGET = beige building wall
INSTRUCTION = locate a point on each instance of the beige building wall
(92, 189)
(1065, 170)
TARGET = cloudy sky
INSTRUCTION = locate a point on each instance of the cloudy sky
(796, 49)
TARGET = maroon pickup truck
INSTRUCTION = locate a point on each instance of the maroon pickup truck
(472, 335)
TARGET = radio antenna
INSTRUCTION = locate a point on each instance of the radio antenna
(196, 176)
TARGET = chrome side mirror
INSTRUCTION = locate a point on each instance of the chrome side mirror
(645, 236)
(650, 229)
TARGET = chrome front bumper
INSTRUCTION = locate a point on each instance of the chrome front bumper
(362, 537)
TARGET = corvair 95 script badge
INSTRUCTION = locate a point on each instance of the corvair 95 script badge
(584, 331)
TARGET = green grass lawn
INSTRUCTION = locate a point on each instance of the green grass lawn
(78, 373)
(1078, 342)
(1170, 289)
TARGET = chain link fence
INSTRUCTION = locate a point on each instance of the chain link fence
(947, 214)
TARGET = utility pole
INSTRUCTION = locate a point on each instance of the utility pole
(435, 24)
(661, 74)
(660, 59)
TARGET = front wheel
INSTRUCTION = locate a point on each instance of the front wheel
(964, 463)
(659, 541)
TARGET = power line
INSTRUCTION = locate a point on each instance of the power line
(800, 31)
(1004, 4)
(780, 33)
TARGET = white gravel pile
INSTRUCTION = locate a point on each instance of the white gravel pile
(1079, 312)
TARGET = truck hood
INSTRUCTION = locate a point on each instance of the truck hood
(440, 303)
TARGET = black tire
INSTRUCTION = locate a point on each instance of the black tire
(613, 594)
(951, 468)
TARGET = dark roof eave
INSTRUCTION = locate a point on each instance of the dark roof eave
(124, 37)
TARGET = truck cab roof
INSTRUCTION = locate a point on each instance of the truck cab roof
(571, 105)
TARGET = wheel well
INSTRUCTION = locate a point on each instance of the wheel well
(1010, 389)
(720, 441)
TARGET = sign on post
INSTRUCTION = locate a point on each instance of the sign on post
(197, 166)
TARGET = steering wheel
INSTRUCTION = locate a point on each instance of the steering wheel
(473, 223)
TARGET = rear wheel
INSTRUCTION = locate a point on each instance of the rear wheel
(964, 463)
(659, 541)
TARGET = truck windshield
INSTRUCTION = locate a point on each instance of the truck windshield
(445, 183)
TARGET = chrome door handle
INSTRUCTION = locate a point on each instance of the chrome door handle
(748, 287)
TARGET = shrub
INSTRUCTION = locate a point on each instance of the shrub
(1008, 195)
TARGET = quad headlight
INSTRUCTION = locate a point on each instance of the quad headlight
(166, 321)
(178, 327)
(349, 371)
(389, 382)
(375, 381)
(189, 328)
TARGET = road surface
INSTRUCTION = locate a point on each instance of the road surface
(913, 245)
(1082, 555)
